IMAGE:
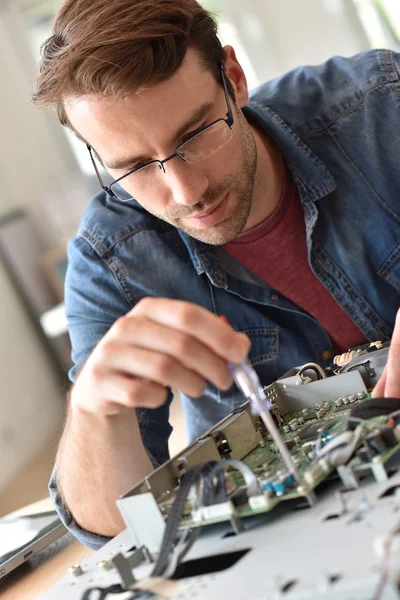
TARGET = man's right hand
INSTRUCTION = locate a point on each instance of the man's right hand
(160, 343)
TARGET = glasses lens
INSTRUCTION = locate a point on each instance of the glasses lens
(206, 143)
(139, 183)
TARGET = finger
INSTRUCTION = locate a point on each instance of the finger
(379, 389)
(120, 389)
(198, 322)
(186, 349)
(157, 367)
(392, 385)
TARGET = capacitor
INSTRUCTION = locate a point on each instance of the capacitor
(267, 485)
(339, 402)
(352, 398)
(324, 437)
(361, 395)
(294, 425)
(346, 400)
(301, 420)
(319, 414)
(289, 480)
(286, 428)
(279, 487)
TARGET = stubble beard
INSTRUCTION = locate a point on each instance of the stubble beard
(241, 186)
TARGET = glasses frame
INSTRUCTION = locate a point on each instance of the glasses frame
(229, 120)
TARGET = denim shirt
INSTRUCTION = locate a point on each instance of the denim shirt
(338, 128)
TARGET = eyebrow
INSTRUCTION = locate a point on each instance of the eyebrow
(194, 118)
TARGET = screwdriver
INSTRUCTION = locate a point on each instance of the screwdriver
(246, 379)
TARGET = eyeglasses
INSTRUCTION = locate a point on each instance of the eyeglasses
(201, 145)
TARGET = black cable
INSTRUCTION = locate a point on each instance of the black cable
(214, 489)
(175, 516)
(112, 589)
(376, 407)
(116, 589)
(212, 493)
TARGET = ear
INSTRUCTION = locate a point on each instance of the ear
(235, 73)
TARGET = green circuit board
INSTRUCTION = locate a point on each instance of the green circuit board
(267, 464)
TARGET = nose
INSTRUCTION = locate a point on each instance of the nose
(186, 182)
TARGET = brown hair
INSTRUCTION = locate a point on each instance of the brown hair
(112, 47)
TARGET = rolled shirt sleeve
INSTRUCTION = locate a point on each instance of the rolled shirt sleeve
(91, 310)
(91, 540)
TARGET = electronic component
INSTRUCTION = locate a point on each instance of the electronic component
(239, 497)
(311, 430)
(314, 473)
(371, 408)
(248, 383)
(344, 359)
(294, 393)
(369, 365)
(234, 479)
(310, 416)
(381, 439)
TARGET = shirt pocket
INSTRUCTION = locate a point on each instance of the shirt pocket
(264, 344)
(390, 270)
(264, 352)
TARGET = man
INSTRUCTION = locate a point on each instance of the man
(281, 213)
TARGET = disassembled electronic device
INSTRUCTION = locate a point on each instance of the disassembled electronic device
(304, 508)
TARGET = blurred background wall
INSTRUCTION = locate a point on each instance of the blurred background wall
(46, 177)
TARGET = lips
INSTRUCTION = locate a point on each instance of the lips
(208, 212)
(210, 217)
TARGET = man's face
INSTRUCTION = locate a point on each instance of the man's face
(210, 200)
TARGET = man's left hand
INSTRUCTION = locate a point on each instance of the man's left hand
(388, 385)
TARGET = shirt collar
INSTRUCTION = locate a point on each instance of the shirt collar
(204, 261)
(309, 171)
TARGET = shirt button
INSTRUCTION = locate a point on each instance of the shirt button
(274, 297)
(326, 355)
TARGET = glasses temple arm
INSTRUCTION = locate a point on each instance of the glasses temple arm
(95, 167)
(229, 114)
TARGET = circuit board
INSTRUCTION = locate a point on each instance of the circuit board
(322, 532)
(324, 422)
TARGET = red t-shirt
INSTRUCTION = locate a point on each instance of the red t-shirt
(276, 251)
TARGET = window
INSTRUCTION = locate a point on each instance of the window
(37, 17)
(229, 35)
(381, 21)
